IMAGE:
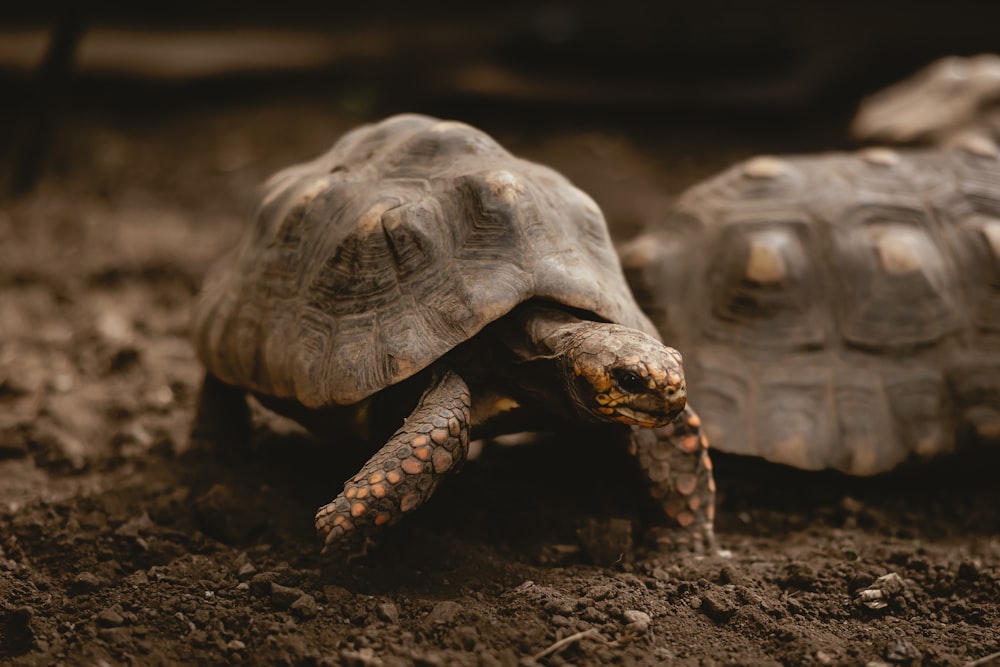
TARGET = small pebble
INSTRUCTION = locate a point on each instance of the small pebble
(444, 612)
(637, 622)
(283, 597)
(882, 590)
(305, 607)
(388, 612)
(85, 582)
(260, 584)
(111, 617)
(236, 645)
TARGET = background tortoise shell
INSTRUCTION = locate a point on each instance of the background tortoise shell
(367, 264)
(946, 102)
(836, 310)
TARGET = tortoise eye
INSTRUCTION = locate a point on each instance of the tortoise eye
(630, 382)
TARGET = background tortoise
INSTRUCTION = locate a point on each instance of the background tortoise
(418, 280)
(835, 310)
(948, 101)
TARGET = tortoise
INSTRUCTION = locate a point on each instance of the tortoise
(418, 283)
(836, 310)
(946, 102)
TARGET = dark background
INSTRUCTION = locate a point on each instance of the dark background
(622, 64)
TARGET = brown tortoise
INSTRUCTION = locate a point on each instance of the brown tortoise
(836, 310)
(417, 282)
(949, 101)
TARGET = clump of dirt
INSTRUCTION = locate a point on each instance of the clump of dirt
(120, 544)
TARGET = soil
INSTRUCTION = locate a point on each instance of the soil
(120, 544)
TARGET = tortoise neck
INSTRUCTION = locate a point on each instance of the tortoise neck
(539, 331)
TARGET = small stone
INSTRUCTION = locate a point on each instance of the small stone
(246, 571)
(444, 612)
(85, 582)
(137, 578)
(236, 646)
(305, 607)
(636, 622)
(111, 617)
(387, 611)
(283, 597)
(718, 606)
(261, 583)
(878, 595)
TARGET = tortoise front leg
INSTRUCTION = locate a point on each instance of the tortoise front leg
(674, 460)
(402, 475)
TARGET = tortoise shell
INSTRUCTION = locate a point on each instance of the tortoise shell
(372, 261)
(836, 310)
(945, 103)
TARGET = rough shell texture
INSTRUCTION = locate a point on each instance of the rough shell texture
(838, 310)
(370, 262)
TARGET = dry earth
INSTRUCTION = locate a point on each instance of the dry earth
(119, 545)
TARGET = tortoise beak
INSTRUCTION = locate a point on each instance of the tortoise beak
(652, 410)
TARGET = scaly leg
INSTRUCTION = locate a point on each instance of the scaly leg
(674, 460)
(403, 474)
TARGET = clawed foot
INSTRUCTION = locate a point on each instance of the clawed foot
(402, 475)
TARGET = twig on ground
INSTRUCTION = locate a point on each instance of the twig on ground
(566, 641)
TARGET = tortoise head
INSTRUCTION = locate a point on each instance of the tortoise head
(623, 375)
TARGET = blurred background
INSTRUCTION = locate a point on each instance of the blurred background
(684, 84)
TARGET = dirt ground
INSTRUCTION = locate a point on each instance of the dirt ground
(120, 545)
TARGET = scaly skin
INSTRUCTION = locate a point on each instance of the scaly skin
(674, 460)
(402, 475)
